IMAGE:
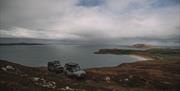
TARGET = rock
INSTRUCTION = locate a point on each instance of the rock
(35, 79)
(4, 69)
(107, 78)
(120, 80)
(126, 79)
(49, 84)
(131, 76)
(9, 67)
(67, 88)
(44, 83)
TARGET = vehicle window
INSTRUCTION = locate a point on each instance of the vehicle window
(76, 68)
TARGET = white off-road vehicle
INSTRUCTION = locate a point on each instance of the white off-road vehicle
(74, 70)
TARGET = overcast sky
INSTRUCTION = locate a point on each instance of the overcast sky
(90, 20)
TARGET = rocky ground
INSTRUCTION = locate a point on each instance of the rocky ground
(160, 74)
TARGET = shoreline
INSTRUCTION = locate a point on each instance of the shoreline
(145, 57)
(159, 74)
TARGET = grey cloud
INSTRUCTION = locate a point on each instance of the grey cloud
(108, 21)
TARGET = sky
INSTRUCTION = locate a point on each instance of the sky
(93, 21)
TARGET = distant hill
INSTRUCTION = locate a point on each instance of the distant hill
(142, 46)
(3, 44)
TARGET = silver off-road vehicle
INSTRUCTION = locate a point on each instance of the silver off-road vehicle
(74, 70)
(55, 66)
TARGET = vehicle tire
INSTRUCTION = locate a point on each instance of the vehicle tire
(51, 68)
(83, 76)
(65, 73)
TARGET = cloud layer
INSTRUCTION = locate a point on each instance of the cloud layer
(89, 20)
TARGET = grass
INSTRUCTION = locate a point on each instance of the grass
(162, 73)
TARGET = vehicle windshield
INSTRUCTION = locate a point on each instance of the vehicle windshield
(76, 69)
(57, 63)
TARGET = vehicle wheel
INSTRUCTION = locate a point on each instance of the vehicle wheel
(65, 73)
(50, 68)
(83, 76)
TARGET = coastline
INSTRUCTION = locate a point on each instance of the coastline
(158, 74)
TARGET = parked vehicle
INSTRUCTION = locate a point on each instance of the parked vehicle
(74, 70)
(55, 66)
